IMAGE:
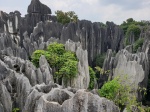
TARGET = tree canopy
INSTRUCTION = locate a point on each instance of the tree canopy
(64, 62)
(66, 17)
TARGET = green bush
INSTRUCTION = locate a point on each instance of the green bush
(56, 48)
(15, 110)
(92, 78)
(68, 70)
(131, 26)
(64, 63)
(138, 44)
(36, 56)
(119, 93)
(125, 25)
(110, 89)
(132, 29)
(135, 30)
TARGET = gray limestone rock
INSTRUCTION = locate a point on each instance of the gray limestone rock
(43, 74)
(31, 100)
(40, 27)
(22, 89)
(10, 48)
(133, 66)
(94, 37)
(5, 99)
(46, 70)
(87, 102)
(37, 7)
(19, 90)
(82, 101)
(82, 80)
(1, 108)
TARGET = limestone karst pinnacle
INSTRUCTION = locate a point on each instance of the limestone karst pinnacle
(37, 7)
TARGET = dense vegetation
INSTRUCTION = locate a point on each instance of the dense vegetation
(64, 63)
(93, 78)
(138, 43)
(132, 30)
(120, 93)
(66, 17)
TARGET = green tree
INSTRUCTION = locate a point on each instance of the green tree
(68, 70)
(130, 20)
(138, 44)
(120, 93)
(64, 63)
(66, 17)
(56, 48)
(135, 30)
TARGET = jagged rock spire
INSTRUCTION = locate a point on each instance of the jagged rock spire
(37, 7)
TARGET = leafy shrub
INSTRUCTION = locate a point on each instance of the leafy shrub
(130, 21)
(68, 70)
(69, 56)
(135, 30)
(119, 93)
(15, 110)
(138, 44)
(36, 56)
(63, 62)
(131, 26)
(101, 71)
(92, 78)
(110, 89)
(56, 48)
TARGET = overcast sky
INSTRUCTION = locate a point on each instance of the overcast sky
(93, 10)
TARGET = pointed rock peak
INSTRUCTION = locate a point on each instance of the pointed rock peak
(37, 7)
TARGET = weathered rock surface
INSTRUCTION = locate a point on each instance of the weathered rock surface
(18, 90)
(133, 66)
(82, 101)
(43, 74)
(32, 89)
(10, 48)
(5, 99)
(82, 80)
(40, 27)
(146, 49)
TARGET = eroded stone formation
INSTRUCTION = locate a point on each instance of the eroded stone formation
(39, 24)
(134, 66)
(32, 89)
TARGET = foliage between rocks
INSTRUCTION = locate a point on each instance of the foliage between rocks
(126, 24)
(133, 27)
(135, 30)
(15, 110)
(66, 17)
(92, 78)
(138, 44)
(64, 63)
(121, 94)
